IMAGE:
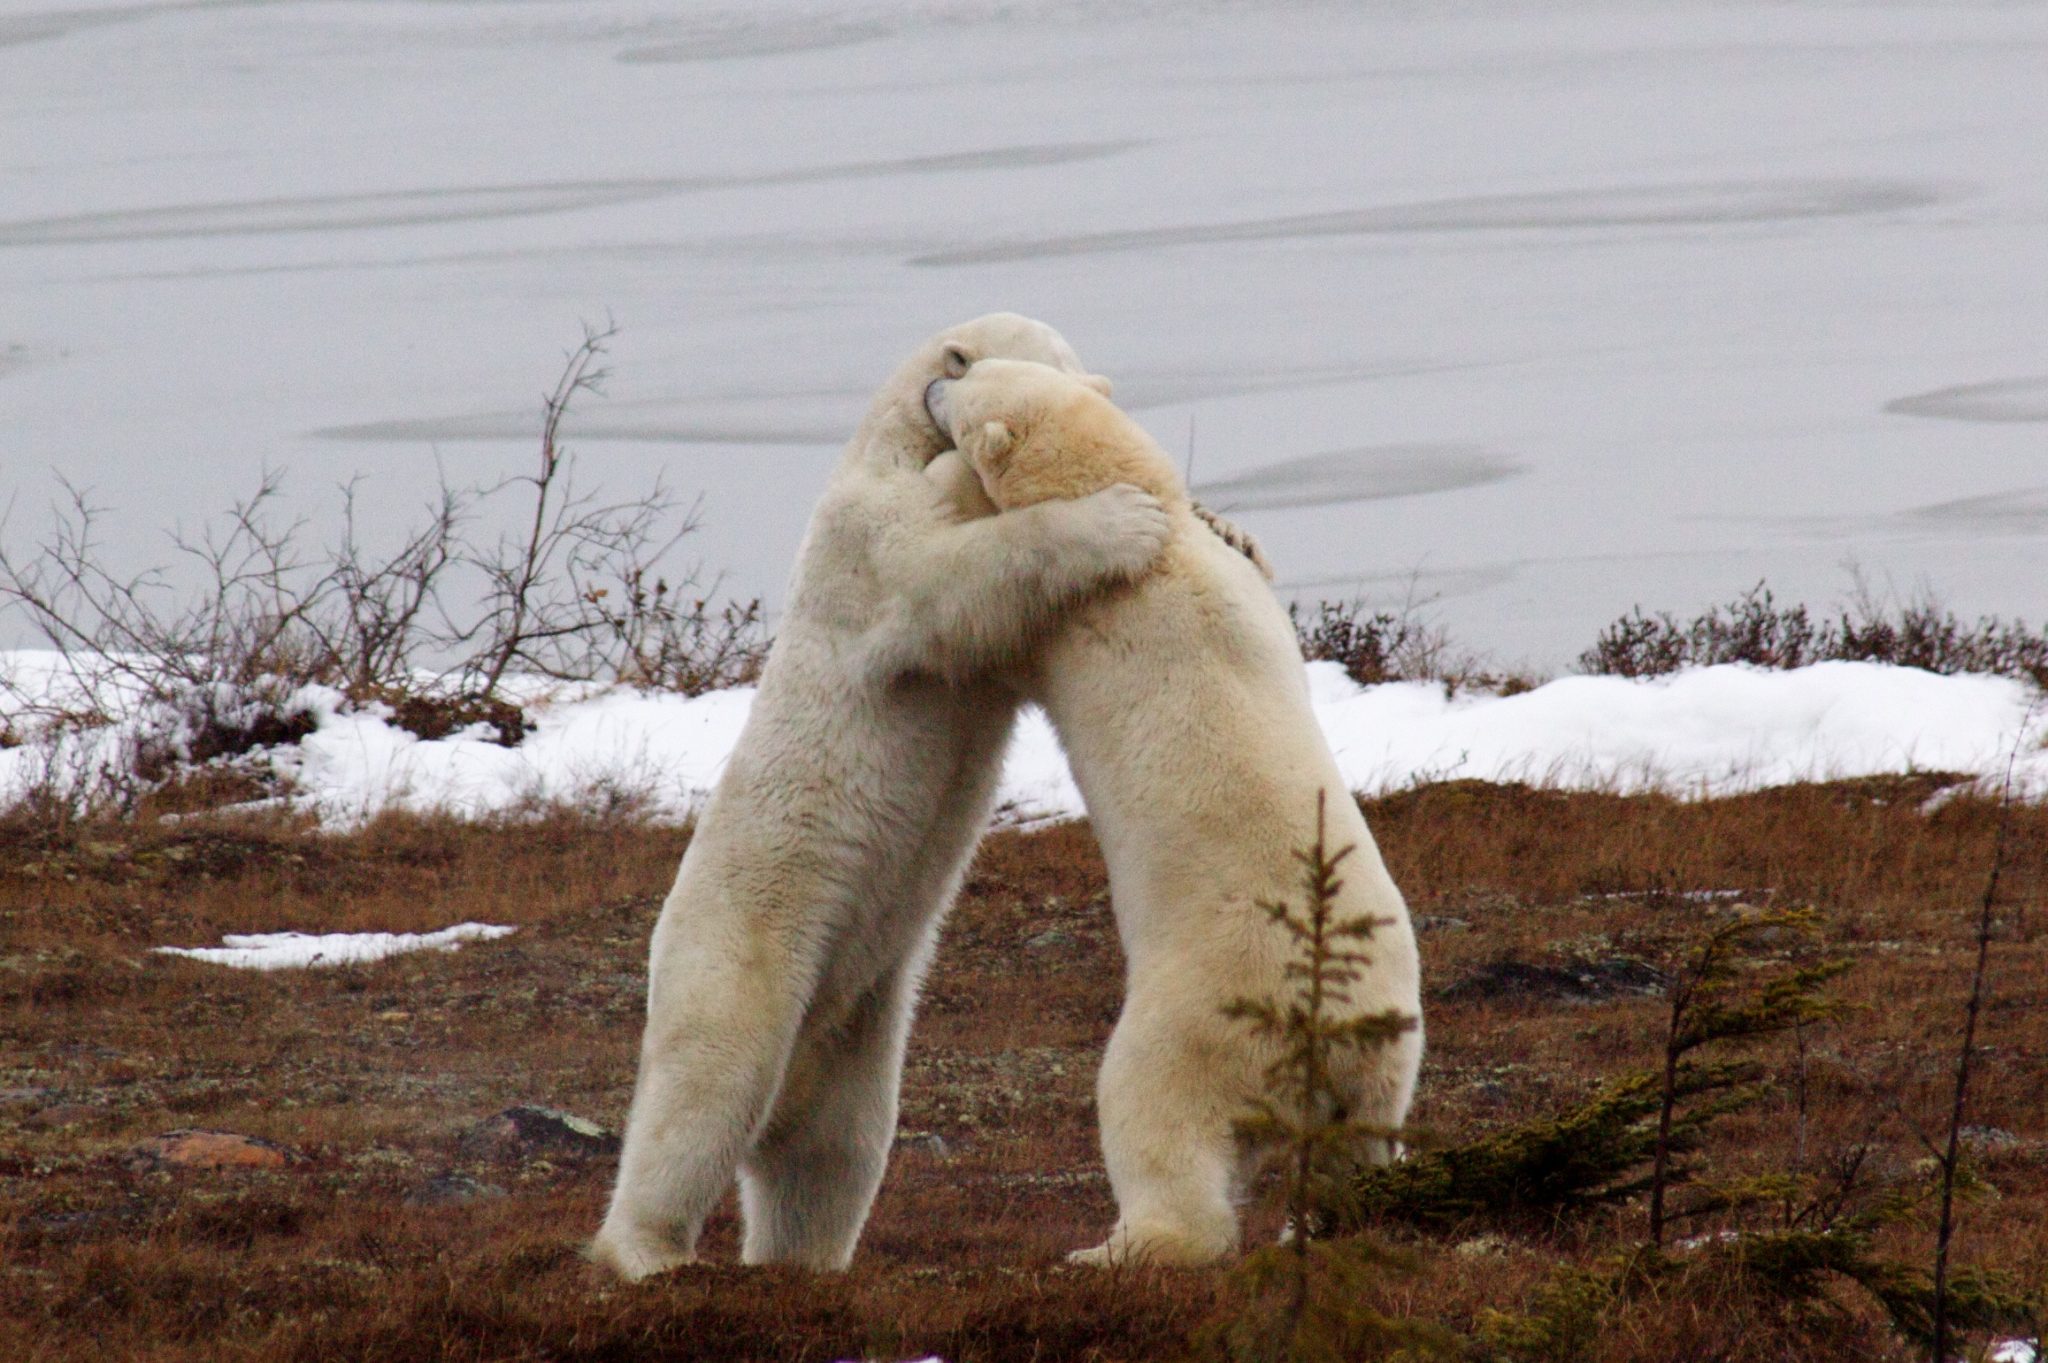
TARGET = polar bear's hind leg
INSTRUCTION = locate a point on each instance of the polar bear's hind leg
(807, 1185)
(708, 1079)
(1173, 1156)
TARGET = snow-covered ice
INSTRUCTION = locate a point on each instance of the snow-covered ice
(294, 950)
(1538, 308)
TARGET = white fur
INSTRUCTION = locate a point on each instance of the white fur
(787, 959)
(1183, 706)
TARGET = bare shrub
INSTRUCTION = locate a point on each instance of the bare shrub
(135, 638)
(1948, 1155)
(548, 606)
(62, 781)
(667, 640)
(1754, 629)
(433, 627)
(1375, 646)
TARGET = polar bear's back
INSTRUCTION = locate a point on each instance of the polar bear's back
(1184, 705)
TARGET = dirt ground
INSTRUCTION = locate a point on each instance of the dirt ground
(400, 1224)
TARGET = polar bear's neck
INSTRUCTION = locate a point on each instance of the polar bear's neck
(895, 435)
(1053, 464)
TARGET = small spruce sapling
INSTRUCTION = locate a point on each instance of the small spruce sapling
(1719, 995)
(1303, 1115)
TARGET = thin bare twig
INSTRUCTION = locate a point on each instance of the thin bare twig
(1951, 1155)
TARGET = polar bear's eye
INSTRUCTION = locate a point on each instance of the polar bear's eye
(956, 362)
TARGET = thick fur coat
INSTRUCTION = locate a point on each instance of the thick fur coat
(1183, 706)
(787, 959)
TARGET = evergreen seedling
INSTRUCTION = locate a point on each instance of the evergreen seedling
(1303, 1115)
(1720, 996)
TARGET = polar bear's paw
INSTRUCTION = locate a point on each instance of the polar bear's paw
(636, 1257)
(1124, 528)
(1158, 1248)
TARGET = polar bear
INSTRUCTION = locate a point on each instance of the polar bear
(786, 961)
(1183, 706)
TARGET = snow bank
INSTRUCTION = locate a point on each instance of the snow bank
(1707, 731)
(293, 950)
(664, 750)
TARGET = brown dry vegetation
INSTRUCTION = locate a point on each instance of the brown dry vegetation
(1546, 918)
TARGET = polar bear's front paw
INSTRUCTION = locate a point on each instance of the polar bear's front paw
(1125, 527)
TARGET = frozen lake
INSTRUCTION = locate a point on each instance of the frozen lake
(1533, 310)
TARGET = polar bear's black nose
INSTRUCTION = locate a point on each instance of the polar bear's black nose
(935, 404)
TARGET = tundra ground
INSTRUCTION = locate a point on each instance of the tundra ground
(394, 1233)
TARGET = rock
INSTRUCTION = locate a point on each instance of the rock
(524, 1131)
(928, 1143)
(197, 1149)
(1578, 982)
(1050, 938)
(1984, 1138)
(452, 1190)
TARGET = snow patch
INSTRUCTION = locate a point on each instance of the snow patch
(297, 950)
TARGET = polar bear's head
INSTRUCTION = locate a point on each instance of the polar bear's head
(900, 427)
(1034, 433)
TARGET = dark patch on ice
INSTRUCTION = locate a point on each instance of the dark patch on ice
(1710, 203)
(326, 213)
(19, 30)
(721, 41)
(13, 358)
(2017, 511)
(2024, 399)
(1370, 473)
(415, 207)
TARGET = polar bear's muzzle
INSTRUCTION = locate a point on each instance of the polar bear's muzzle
(935, 397)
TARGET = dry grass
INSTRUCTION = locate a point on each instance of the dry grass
(1541, 911)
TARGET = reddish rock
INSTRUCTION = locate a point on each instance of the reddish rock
(526, 1131)
(194, 1149)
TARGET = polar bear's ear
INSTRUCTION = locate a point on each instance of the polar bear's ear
(955, 361)
(1100, 383)
(996, 440)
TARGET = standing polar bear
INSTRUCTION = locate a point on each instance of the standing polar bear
(787, 959)
(1183, 707)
